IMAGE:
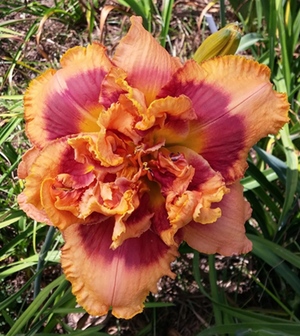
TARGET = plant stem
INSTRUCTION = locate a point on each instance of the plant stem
(41, 261)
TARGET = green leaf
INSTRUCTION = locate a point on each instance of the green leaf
(277, 165)
(264, 182)
(250, 183)
(18, 239)
(4, 304)
(8, 128)
(12, 218)
(277, 249)
(291, 174)
(53, 256)
(248, 40)
(286, 328)
(166, 18)
(34, 306)
(263, 252)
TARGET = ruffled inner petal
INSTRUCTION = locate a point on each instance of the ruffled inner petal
(56, 158)
(188, 186)
(227, 235)
(169, 107)
(121, 120)
(60, 204)
(136, 224)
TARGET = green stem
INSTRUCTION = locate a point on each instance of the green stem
(154, 322)
(222, 13)
(41, 261)
(272, 33)
(214, 288)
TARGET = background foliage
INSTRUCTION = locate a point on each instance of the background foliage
(255, 294)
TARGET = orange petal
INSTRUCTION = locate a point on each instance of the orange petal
(173, 173)
(45, 165)
(32, 212)
(27, 160)
(60, 205)
(227, 235)
(236, 106)
(67, 101)
(190, 187)
(207, 185)
(48, 165)
(172, 115)
(112, 87)
(172, 108)
(147, 64)
(120, 120)
(56, 184)
(85, 149)
(110, 149)
(137, 223)
(45, 188)
(206, 188)
(121, 278)
(115, 88)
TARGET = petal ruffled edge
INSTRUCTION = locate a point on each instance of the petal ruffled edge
(236, 106)
(121, 278)
(74, 89)
(227, 235)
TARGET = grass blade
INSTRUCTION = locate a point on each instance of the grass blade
(34, 306)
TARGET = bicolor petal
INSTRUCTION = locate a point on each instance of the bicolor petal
(121, 278)
(227, 235)
(47, 165)
(190, 187)
(136, 224)
(122, 120)
(235, 105)
(56, 184)
(147, 64)
(66, 101)
(60, 204)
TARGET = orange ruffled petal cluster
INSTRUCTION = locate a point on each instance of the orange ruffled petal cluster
(134, 155)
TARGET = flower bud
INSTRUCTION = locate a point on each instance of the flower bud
(223, 42)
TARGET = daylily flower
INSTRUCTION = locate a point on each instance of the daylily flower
(134, 155)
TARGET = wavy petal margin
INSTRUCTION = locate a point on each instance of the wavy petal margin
(121, 278)
(236, 106)
(65, 102)
(227, 235)
(54, 181)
